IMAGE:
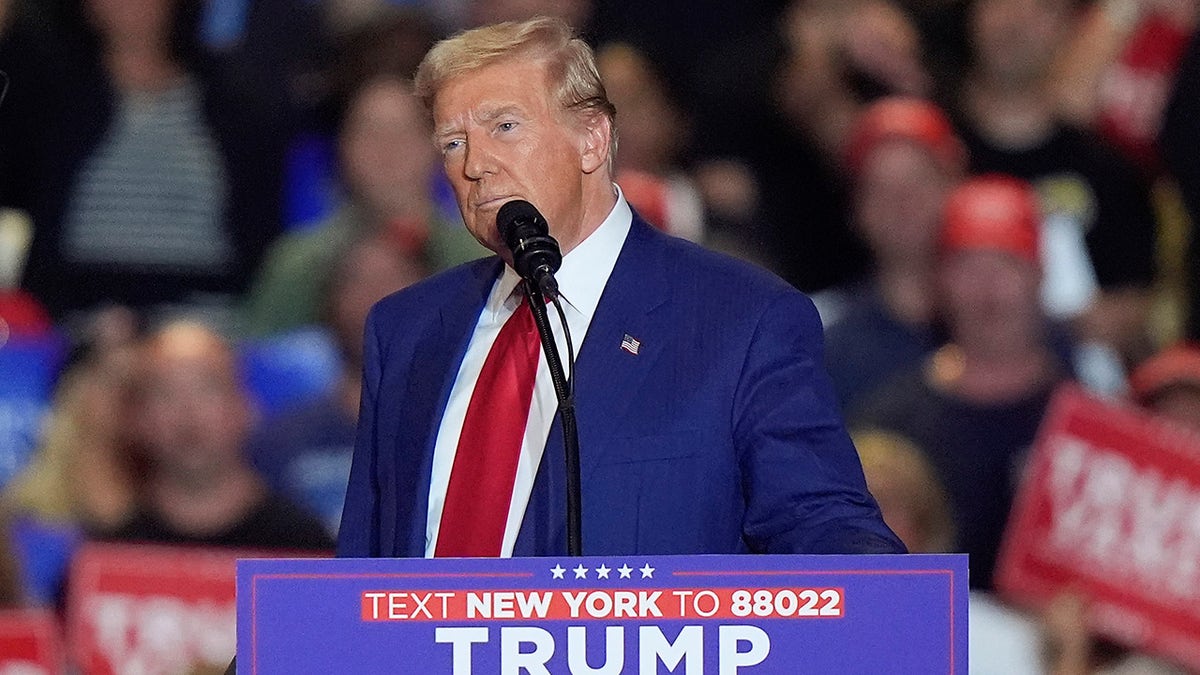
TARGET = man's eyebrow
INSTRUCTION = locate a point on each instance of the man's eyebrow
(485, 115)
(490, 114)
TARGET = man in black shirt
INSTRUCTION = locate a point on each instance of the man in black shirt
(1098, 233)
(975, 405)
(190, 421)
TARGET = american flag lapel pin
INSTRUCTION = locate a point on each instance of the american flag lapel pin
(630, 344)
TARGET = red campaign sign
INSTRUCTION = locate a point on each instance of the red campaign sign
(143, 609)
(1110, 508)
(29, 642)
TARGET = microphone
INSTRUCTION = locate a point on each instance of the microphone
(536, 255)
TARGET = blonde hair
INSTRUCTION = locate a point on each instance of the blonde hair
(569, 60)
(887, 455)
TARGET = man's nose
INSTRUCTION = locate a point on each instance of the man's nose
(480, 159)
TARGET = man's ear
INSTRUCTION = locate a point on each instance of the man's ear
(595, 142)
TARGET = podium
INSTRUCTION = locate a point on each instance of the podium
(604, 615)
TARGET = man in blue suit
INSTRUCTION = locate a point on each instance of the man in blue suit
(706, 422)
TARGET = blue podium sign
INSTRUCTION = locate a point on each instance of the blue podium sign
(605, 615)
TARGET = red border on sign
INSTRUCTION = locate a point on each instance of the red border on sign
(949, 574)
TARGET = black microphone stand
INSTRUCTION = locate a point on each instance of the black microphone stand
(564, 390)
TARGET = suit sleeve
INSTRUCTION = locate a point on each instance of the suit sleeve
(802, 479)
(358, 535)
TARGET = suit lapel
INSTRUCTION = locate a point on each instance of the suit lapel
(606, 376)
(436, 360)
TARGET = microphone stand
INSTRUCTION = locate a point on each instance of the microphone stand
(564, 391)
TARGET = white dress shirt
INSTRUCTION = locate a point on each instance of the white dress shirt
(581, 280)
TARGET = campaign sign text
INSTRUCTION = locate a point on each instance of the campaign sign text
(1110, 508)
(605, 615)
(29, 643)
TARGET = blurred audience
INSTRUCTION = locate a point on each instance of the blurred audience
(81, 479)
(388, 166)
(1115, 76)
(11, 593)
(1116, 73)
(914, 504)
(82, 474)
(845, 53)
(1099, 230)
(143, 191)
(654, 132)
(1168, 383)
(1068, 646)
(305, 453)
(905, 483)
(190, 419)
(1179, 138)
(975, 405)
(836, 57)
(905, 159)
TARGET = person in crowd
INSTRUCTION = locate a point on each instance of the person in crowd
(836, 58)
(901, 478)
(12, 593)
(304, 454)
(1115, 76)
(654, 133)
(145, 191)
(81, 478)
(915, 505)
(1117, 72)
(1179, 137)
(1168, 383)
(975, 404)
(81, 473)
(1099, 229)
(843, 55)
(388, 166)
(190, 418)
(906, 159)
(732, 444)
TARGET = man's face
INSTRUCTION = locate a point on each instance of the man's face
(191, 415)
(384, 146)
(1016, 40)
(131, 19)
(369, 272)
(504, 136)
(991, 300)
(898, 198)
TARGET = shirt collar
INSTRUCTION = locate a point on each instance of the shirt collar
(585, 270)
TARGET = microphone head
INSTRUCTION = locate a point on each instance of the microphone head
(519, 211)
(535, 253)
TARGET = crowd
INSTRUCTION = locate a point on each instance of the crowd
(986, 198)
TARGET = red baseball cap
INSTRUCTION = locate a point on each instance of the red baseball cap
(1176, 365)
(905, 118)
(993, 212)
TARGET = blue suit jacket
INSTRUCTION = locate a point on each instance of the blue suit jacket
(720, 436)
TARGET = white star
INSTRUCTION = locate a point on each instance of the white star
(647, 571)
(557, 571)
(581, 572)
(602, 571)
(625, 570)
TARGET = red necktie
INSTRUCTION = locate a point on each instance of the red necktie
(485, 465)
